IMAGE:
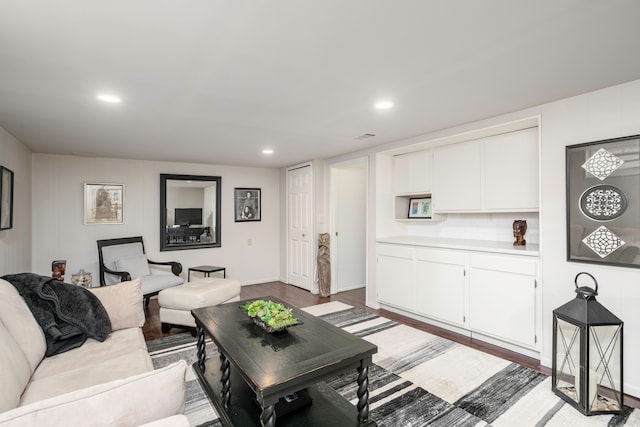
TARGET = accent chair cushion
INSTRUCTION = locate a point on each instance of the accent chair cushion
(136, 265)
(157, 282)
(111, 253)
(123, 302)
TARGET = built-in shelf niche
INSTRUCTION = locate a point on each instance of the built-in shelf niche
(401, 208)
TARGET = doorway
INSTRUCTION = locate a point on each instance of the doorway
(349, 225)
(299, 227)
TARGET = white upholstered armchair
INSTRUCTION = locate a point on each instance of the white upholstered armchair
(124, 259)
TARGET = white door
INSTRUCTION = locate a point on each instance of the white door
(350, 222)
(300, 249)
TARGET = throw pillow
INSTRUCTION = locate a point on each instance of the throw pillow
(130, 401)
(123, 303)
(136, 265)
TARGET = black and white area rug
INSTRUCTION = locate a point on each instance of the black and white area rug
(418, 379)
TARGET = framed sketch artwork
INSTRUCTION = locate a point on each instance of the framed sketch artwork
(248, 204)
(603, 202)
(6, 198)
(103, 203)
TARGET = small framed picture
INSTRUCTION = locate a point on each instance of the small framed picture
(6, 198)
(248, 204)
(420, 208)
(103, 203)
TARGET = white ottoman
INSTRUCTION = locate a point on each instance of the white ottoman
(177, 302)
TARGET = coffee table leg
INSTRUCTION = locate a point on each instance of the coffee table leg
(268, 416)
(201, 347)
(225, 379)
(363, 394)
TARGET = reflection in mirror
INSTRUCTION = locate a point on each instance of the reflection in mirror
(189, 212)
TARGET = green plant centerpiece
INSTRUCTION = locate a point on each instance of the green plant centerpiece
(269, 315)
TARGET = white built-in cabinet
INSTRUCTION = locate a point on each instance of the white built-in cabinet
(502, 298)
(456, 177)
(412, 178)
(511, 171)
(440, 284)
(412, 173)
(493, 295)
(394, 268)
(494, 174)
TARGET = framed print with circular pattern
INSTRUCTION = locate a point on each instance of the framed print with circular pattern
(603, 202)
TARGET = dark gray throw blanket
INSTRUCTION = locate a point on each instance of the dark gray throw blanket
(67, 314)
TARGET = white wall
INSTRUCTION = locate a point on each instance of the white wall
(608, 113)
(59, 233)
(15, 243)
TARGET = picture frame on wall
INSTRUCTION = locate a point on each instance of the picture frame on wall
(420, 208)
(103, 203)
(603, 202)
(6, 198)
(248, 204)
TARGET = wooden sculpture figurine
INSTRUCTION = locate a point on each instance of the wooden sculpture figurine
(519, 230)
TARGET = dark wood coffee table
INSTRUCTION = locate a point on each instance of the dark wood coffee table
(257, 370)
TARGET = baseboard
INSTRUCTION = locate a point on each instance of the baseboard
(351, 288)
(259, 281)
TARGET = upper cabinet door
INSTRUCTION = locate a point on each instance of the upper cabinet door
(456, 177)
(412, 173)
(511, 171)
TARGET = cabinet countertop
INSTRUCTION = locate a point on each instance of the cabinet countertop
(532, 250)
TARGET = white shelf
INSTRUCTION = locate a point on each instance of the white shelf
(401, 208)
(531, 249)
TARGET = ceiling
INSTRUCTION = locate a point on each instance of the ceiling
(212, 81)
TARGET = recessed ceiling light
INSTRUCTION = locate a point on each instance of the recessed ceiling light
(267, 151)
(109, 98)
(384, 105)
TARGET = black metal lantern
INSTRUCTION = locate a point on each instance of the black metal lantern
(587, 354)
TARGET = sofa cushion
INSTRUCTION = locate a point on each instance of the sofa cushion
(21, 324)
(14, 370)
(86, 375)
(135, 265)
(123, 303)
(131, 401)
(119, 343)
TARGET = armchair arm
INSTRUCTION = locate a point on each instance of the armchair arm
(124, 275)
(176, 267)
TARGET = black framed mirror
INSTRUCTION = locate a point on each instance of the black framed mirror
(189, 212)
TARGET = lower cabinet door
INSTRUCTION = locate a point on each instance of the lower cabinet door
(394, 280)
(502, 305)
(440, 287)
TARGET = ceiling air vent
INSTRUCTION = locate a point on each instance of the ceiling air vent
(364, 136)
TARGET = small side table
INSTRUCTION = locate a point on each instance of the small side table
(207, 270)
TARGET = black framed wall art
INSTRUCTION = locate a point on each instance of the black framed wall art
(6, 198)
(603, 202)
(248, 204)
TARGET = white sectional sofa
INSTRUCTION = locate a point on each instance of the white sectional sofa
(109, 383)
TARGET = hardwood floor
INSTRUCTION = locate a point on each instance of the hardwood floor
(356, 298)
